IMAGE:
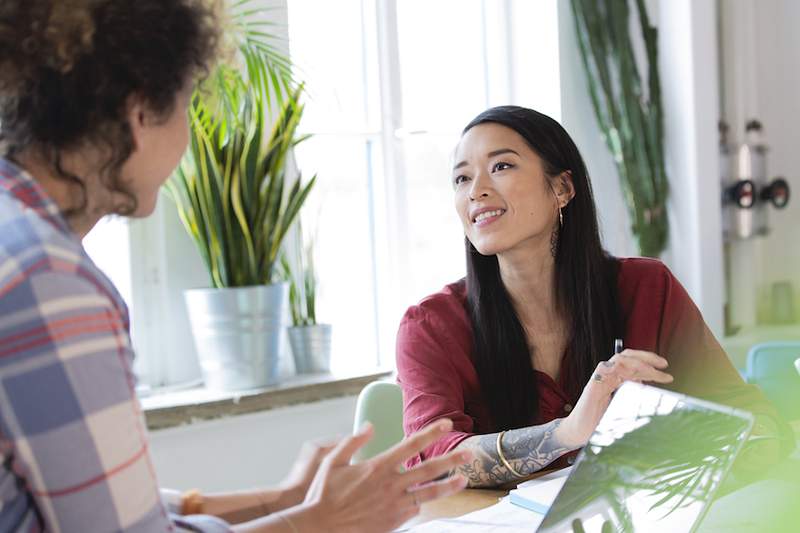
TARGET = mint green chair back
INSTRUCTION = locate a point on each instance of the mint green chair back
(771, 366)
(381, 404)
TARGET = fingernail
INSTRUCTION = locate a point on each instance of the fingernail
(445, 425)
(466, 456)
(366, 426)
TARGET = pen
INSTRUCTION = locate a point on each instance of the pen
(618, 346)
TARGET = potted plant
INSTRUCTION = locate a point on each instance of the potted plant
(310, 341)
(236, 202)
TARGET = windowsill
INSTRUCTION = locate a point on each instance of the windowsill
(184, 407)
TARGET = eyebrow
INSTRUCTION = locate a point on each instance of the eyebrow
(491, 154)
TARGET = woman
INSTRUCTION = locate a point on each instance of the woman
(93, 101)
(521, 353)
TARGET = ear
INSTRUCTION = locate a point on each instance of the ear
(139, 118)
(565, 189)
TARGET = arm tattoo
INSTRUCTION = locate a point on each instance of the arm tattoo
(527, 449)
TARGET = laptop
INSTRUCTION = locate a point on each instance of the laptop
(652, 465)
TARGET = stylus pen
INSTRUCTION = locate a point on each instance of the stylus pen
(618, 346)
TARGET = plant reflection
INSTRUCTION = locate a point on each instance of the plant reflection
(659, 460)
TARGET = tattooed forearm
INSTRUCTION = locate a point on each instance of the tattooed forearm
(526, 449)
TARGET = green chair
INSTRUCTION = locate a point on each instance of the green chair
(381, 404)
(772, 366)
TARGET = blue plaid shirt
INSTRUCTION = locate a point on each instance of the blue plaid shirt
(73, 442)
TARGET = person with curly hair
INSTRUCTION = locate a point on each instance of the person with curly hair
(93, 101)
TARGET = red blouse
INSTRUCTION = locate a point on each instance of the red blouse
(438, 378)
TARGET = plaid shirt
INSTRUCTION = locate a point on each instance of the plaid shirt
(73, 442)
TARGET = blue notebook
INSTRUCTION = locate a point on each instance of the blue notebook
(538, 494)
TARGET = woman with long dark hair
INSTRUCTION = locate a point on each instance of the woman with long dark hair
(521, 353)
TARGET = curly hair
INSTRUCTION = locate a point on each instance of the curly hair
(68, 67)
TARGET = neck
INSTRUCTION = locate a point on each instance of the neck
(528, 273)
(66, 194)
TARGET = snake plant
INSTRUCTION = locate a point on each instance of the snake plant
(629, 113)
(231, 189)
(302, 286)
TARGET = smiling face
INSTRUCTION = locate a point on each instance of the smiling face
(503, 195)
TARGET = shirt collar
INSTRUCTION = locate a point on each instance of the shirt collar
(21, 186)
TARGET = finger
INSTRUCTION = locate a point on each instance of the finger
(436, 490)
(317, 449)
(415, 443)
(648, 357)
(635, 369)
(434, 468)
(344, 451)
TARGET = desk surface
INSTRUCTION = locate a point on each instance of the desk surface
(464, 502)
(470, 500)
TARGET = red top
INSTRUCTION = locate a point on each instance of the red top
(438, 378)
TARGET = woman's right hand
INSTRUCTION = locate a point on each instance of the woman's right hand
(628, 365)
(377, 495)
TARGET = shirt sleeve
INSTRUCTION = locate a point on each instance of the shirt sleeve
(430, 381)
(700, 366)
(72, 428)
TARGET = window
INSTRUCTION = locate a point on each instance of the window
(391, 84)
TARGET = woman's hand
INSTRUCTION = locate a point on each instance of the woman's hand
(628, 365)
(377, 495)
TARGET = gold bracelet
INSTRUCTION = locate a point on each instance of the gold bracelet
(503, 457)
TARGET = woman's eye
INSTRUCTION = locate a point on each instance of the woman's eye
(501, 166)
(459, 179)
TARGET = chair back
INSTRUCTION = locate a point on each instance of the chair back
(381, 404)
(772, 366)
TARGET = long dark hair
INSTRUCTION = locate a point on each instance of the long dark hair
(585, 291)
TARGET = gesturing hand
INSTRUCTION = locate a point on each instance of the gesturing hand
(296, 484)
(377, 495)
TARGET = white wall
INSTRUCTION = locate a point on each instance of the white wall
(245, 451)
(761, 70)
(687, 40)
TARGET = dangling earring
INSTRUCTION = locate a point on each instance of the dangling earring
(556, 231)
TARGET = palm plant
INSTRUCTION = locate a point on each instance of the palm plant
(231, 188)
(674, 459)
(629, 113)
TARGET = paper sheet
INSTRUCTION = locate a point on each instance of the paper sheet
(502, 517)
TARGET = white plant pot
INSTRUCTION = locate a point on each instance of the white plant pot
(237, 334)
(311, 347)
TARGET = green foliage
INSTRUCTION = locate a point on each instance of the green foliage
(231, 189)
(674, 459)
(630, 119)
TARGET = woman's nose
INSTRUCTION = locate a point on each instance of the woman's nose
(479, 189)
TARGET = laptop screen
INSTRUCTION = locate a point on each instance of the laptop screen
(653, 464)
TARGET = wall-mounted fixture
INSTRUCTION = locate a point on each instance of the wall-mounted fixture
(746, 190)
